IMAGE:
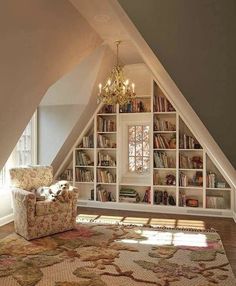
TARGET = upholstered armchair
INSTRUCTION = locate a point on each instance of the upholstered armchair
(32, 218)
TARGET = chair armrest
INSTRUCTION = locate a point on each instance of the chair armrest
(23, 196)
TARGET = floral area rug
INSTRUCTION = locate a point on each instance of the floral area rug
(116, 255)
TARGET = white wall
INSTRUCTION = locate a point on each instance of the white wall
(41, 41)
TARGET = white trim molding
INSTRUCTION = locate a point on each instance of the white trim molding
(6, 219)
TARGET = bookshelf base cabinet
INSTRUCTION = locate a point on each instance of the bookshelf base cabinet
(144, 157)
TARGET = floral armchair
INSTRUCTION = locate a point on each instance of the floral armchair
(32, 218)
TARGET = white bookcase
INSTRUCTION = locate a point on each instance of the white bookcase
(188, 174)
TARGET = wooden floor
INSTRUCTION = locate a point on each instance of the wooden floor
(225, 227)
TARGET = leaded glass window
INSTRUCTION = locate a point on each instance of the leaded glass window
(139, 148)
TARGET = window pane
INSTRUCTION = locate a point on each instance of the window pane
(139, 146)
(139, 164)
(131, 149)
(139, 149)
(132, 164)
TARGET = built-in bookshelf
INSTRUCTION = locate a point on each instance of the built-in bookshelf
(181, 178)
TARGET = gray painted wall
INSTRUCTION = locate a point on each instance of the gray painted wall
(55, 122)
(195, 41)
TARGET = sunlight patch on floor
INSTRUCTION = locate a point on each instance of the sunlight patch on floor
(87, 217)
(196, 224)
(135, 220)
(163, 222)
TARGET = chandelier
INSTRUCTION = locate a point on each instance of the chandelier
(117, 89)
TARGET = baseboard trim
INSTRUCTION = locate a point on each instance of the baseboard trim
(234, 216)
(6, 219)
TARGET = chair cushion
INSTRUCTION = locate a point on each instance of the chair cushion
(31, 177)
(51, 207)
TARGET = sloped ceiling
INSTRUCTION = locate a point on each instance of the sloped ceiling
(196, 43)
(41, 41)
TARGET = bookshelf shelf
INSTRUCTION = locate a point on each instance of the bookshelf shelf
(182, 160)
(191, 187)
(90, 183)
(196, 170)
(165, 169)
(165, 186)
(107, 132)
(190, 149)
(167, 132)
(83, 166)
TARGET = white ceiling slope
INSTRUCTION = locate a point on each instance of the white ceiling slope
(105, 21)
(76, 86)
(111, 22)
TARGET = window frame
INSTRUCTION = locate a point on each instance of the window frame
(135, 156)
(4, 179)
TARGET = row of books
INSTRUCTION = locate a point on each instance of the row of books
(163, 125)
(194, 181)
(105, 142)
(187, 162)
(105, 176)
(211, 180)
(162, 142)
(103, 195)
(82, 159)
(162, 104)
(162, 160)
(67, 175)
(108, 109)
(128, 195)
(188, 142)
(106, 125)
(87, 142)
(136, 105)
(215, 202)
(83, 175)
(105, 160)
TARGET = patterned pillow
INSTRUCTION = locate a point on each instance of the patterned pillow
(31, 177)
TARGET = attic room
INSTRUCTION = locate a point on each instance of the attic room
(117, 162)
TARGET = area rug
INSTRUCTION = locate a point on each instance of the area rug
(116, 255)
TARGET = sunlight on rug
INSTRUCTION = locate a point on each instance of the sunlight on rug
(115, 254)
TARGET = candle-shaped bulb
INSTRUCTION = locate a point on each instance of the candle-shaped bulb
(127, 82)
(109, 82)
(100, 87)
(133, 86)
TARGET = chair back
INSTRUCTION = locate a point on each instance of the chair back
(31, 177)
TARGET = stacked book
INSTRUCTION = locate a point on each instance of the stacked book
(211, 180)
(129, 196)
(161, 160)
(87, 142)
(161, 104)
(106, 125)
(83, 159)
(83, 175)
(105, 176)
(215, 202)
(136, 105)
(67, 175)
(185, 162)
(163, 125)
(104, 142)
(103, 195)
(183, 180)
(188, 142)
(105, 160)
(161, 142)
